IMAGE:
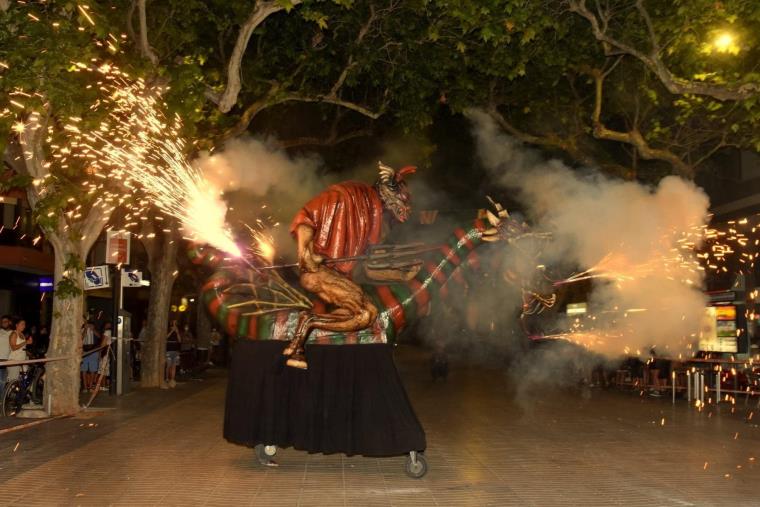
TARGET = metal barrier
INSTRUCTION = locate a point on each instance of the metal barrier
(101, 372)
(704, 378)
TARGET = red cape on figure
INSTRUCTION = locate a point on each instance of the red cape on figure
(346, 218)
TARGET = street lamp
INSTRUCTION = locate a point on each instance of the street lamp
(725, 42)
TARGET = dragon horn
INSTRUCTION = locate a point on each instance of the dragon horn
(387, 174)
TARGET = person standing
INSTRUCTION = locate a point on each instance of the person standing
(187, 350)
(136, 347)
(5, 346)
(42, 343)
(216, 339)
(105, 357)
(90, 362)
(17, 341)
(173, 344)
(202, 344)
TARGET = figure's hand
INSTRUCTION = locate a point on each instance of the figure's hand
(309, 261)
(394, 273)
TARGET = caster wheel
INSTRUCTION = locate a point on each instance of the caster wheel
(264, 453)
(416, 465)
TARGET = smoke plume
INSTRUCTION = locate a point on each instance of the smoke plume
(263, 185)
(632, 232)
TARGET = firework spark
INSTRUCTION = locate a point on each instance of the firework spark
(139, 147)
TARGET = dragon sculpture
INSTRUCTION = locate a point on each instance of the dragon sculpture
(260, 305)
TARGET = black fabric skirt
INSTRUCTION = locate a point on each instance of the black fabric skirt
(350, 400)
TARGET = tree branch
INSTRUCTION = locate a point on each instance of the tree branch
(130, 16)
(270, 99)
(633, 136)
(331, 140)
(250, 113)
(358, 108)
(227, 99)
(550, 140)
(30, 140)
(351, 63)
(145, 50)
(650, 27)
(652, 60)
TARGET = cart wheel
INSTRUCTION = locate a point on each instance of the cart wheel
(416, 465)
(264, 453)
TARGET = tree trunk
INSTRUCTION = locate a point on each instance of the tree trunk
(163, 263)
(62, 377)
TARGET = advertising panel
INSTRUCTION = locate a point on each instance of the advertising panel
(718, 329)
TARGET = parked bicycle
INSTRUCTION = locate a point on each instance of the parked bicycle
(27, 388)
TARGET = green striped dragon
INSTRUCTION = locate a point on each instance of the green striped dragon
(398, 304)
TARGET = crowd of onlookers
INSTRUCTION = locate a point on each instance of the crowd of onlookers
(19, 342)
(185, 354)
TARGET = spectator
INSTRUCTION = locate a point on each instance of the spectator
(105, 357)
(439, 362)
(216, 340)
(17, 342)
(42, 342)
(187, 350)
(203, 344)
(136, 346)
(173, 344)
(90, 340)
(654, 373)
(5, 346)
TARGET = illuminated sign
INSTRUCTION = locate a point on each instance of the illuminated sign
(46, 284)
(96, 277)
(117, 247)
(718, 331)
(725, 312)
(576, 309)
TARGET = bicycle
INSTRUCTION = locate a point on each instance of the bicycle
(27, 388)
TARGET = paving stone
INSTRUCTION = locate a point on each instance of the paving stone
(490, 443)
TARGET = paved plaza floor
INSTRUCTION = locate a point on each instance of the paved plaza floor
(487, 445)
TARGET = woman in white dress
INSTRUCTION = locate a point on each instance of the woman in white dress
(17, 342)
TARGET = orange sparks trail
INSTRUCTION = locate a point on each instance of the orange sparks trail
(135, 148)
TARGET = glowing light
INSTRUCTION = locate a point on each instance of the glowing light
(139, 148)
(83, 10)
(725, 42)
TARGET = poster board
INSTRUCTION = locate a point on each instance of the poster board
(117, 247)
(718, 329)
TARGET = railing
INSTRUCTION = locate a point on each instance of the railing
(700, 378)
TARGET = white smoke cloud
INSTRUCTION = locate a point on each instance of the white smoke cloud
(264, 185)
(256, 167)
(629, 227)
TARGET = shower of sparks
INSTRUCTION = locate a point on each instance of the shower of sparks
(138, 149)
(262, 244)
(146, 151)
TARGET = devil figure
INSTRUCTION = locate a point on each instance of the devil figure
(342, 222)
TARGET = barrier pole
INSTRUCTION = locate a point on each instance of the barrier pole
(688, 386)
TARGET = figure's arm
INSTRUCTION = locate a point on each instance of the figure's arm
(307, 259)
(394, 274)
(12, 339)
